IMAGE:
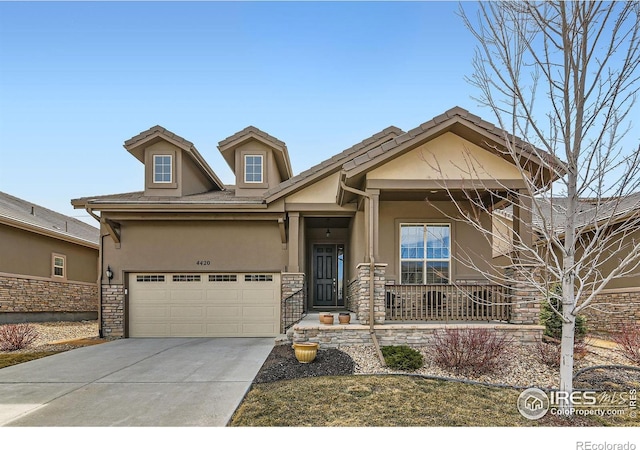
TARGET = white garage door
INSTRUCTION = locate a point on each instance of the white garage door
(203, 304)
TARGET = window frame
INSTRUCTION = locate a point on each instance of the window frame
(425, 259)
(54, 266)
(253, 155)
(153, 169)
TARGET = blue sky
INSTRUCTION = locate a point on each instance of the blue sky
(77, 79)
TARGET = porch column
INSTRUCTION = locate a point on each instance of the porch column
(372, 212)
(525, 299)
(294, 238)
(522, 225)
(362, 293)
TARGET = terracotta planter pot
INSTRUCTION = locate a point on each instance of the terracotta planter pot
(327, 319)
(305, 351)
(344, 318)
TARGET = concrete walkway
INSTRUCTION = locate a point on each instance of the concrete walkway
(134, 382)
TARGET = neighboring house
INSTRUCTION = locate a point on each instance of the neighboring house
(189, 256)
(48, 264)
(618, 304)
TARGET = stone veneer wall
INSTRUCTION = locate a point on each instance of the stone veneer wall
(416, 335)
(352, 295)
(293, 310)
(361, 293)
(113, 310)
(22, 294)
(525, 301)
(612, 310)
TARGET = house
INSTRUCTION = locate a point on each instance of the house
(48, 264)
(190, 256)
(618, 303)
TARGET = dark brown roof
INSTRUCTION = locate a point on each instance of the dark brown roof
(212, 197)
(157, 130)
(247, 131)
(335, 162)
(18, 211)
(459, 114)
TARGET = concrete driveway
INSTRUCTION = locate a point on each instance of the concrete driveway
(134, 382)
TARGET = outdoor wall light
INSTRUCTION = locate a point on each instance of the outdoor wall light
(328, 232)
(109, 274)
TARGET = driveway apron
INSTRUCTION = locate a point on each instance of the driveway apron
(134, 382)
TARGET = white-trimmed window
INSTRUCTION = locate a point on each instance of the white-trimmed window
(58, 266)
(162, 169)
(253, 165)
(425, 253)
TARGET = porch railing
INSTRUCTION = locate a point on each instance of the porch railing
(294, 308)
(443, 302)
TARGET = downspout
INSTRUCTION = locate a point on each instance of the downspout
(372, 269)
(100, 265)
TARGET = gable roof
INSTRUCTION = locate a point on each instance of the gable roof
(551, 212)
(28, 216)
(331, 165)
(466, 125)
(227, 145)
(137, 144)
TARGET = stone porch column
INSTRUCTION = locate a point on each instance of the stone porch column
(362, 291)
(525, 300)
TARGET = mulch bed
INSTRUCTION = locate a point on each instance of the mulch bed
(281, 364)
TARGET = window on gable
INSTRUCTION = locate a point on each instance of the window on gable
(253, 169)
(425, 253)
(162, 170)
(58, 265)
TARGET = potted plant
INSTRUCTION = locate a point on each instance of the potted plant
(305, 351)
(344, 317)
(327, 319)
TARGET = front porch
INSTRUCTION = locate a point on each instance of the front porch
(309, 329)
(411, 314)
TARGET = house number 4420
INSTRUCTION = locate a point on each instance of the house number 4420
(203, 263)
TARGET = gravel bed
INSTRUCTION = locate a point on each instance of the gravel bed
(520, 370)
(54, 336)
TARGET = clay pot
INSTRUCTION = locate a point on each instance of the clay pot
(344, 318)
(327, 319)
(305, 351)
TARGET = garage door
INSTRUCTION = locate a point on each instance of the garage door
(204, 304)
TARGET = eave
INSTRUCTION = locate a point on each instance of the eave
(62, 236)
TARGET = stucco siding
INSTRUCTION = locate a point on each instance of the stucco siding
(26, 253)
(196, 246)
(463, 236)
(323, 191)
(446, 157)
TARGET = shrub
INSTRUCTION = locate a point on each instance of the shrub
(470, 350)
(402, 357)
(553, 322)
(547, 352)
(628, 340)
(17, 336)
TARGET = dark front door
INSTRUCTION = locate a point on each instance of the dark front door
(325, 275)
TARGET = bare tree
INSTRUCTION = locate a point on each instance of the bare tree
(563, 76)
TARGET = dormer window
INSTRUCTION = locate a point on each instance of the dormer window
(253, 169)
(162, 168)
